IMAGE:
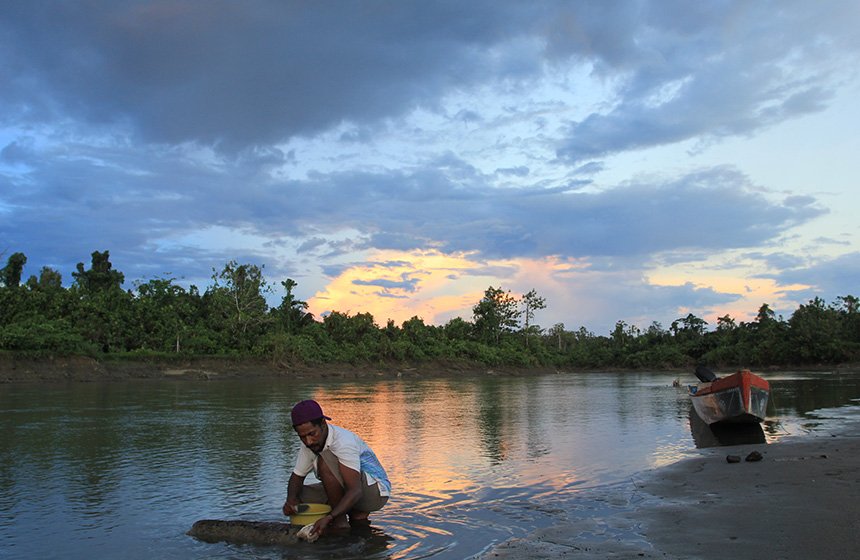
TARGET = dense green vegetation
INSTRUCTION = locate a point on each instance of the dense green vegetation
(96, 317)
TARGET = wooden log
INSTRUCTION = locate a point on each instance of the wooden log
(245, 532)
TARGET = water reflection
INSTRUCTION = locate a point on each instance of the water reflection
(359, 542)
(717, 435)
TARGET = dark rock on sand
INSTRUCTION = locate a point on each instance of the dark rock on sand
(754, 456)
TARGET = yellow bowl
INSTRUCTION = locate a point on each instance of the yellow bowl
(310, 515)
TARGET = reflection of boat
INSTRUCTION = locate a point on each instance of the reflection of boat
(737, 398)
(722, 433)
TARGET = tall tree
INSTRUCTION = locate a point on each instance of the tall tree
(292, 313)
(768, 337)
(688, 327)
(239, 291)
(726, 323)
(531, 302)
(814, 332)
(163, 312)
(557, 331)
(103, 311)
(100, 276)
(849, 319)
(495, 314)
(10, 274)
(48, 280)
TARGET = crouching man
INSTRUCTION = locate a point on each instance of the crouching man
(351, 478)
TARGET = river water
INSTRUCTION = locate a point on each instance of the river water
(123, 469)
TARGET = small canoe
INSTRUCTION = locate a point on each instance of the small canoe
(737, 398)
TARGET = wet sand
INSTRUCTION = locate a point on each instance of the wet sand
(801, 500)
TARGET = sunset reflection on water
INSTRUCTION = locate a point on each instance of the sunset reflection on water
(446, 436)
(124, 469)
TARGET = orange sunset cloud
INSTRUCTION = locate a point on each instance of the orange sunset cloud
(433, 286)
(398, 286)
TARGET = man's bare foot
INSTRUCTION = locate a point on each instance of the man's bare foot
(339, 524)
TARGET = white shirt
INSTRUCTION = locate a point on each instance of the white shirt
(352, 452)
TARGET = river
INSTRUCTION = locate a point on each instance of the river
(123, 469)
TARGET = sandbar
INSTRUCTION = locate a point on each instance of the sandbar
(800, 501)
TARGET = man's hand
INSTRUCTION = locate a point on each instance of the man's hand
(321, 525)
(294, 490)
(291, 505)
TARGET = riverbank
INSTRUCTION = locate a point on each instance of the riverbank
(85, 369)
(799, 501)
(17, 369)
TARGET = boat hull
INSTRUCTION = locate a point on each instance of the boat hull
(738, 398)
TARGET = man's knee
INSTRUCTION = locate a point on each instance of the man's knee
(329, 465)
(329, 474)
(313, 494)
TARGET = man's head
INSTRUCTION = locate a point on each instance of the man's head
(310, 424)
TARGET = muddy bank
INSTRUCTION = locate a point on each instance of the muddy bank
(84, 369)
(798, 501)
(16, 369)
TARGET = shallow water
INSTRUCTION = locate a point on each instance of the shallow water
(109, 470)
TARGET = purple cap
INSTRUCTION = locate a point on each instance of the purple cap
(307, 411)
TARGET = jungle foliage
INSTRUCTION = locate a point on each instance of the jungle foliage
(231, 317)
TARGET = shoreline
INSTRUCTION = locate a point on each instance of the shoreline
(86, 369)
(19, 369)
(799, 501)
(76, 369)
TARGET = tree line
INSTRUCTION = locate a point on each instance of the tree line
(231, 317)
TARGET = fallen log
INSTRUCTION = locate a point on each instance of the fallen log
(245, 532)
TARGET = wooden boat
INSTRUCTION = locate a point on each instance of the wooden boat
(737, 398)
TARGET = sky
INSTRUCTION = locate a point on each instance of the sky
(629, 161)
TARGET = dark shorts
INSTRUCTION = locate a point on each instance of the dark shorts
(370, 500)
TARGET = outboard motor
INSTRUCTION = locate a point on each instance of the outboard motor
(705, 375)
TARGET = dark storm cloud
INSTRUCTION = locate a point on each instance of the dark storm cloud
(241, 73)
(712, 209)
(253, 73)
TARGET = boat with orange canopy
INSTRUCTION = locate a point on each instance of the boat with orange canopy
(737, 398)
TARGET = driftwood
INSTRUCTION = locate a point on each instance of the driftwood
(245, 532)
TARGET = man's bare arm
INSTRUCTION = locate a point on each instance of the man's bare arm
(294, 490)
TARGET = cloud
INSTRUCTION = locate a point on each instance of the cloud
(713, 209)
(109, 199)
(16, 153)
(828, 276)
(235, 75)
(308, 136)
(311, 244)
(405, 284)
(691, 82)
(251, 73)
(590, 168)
